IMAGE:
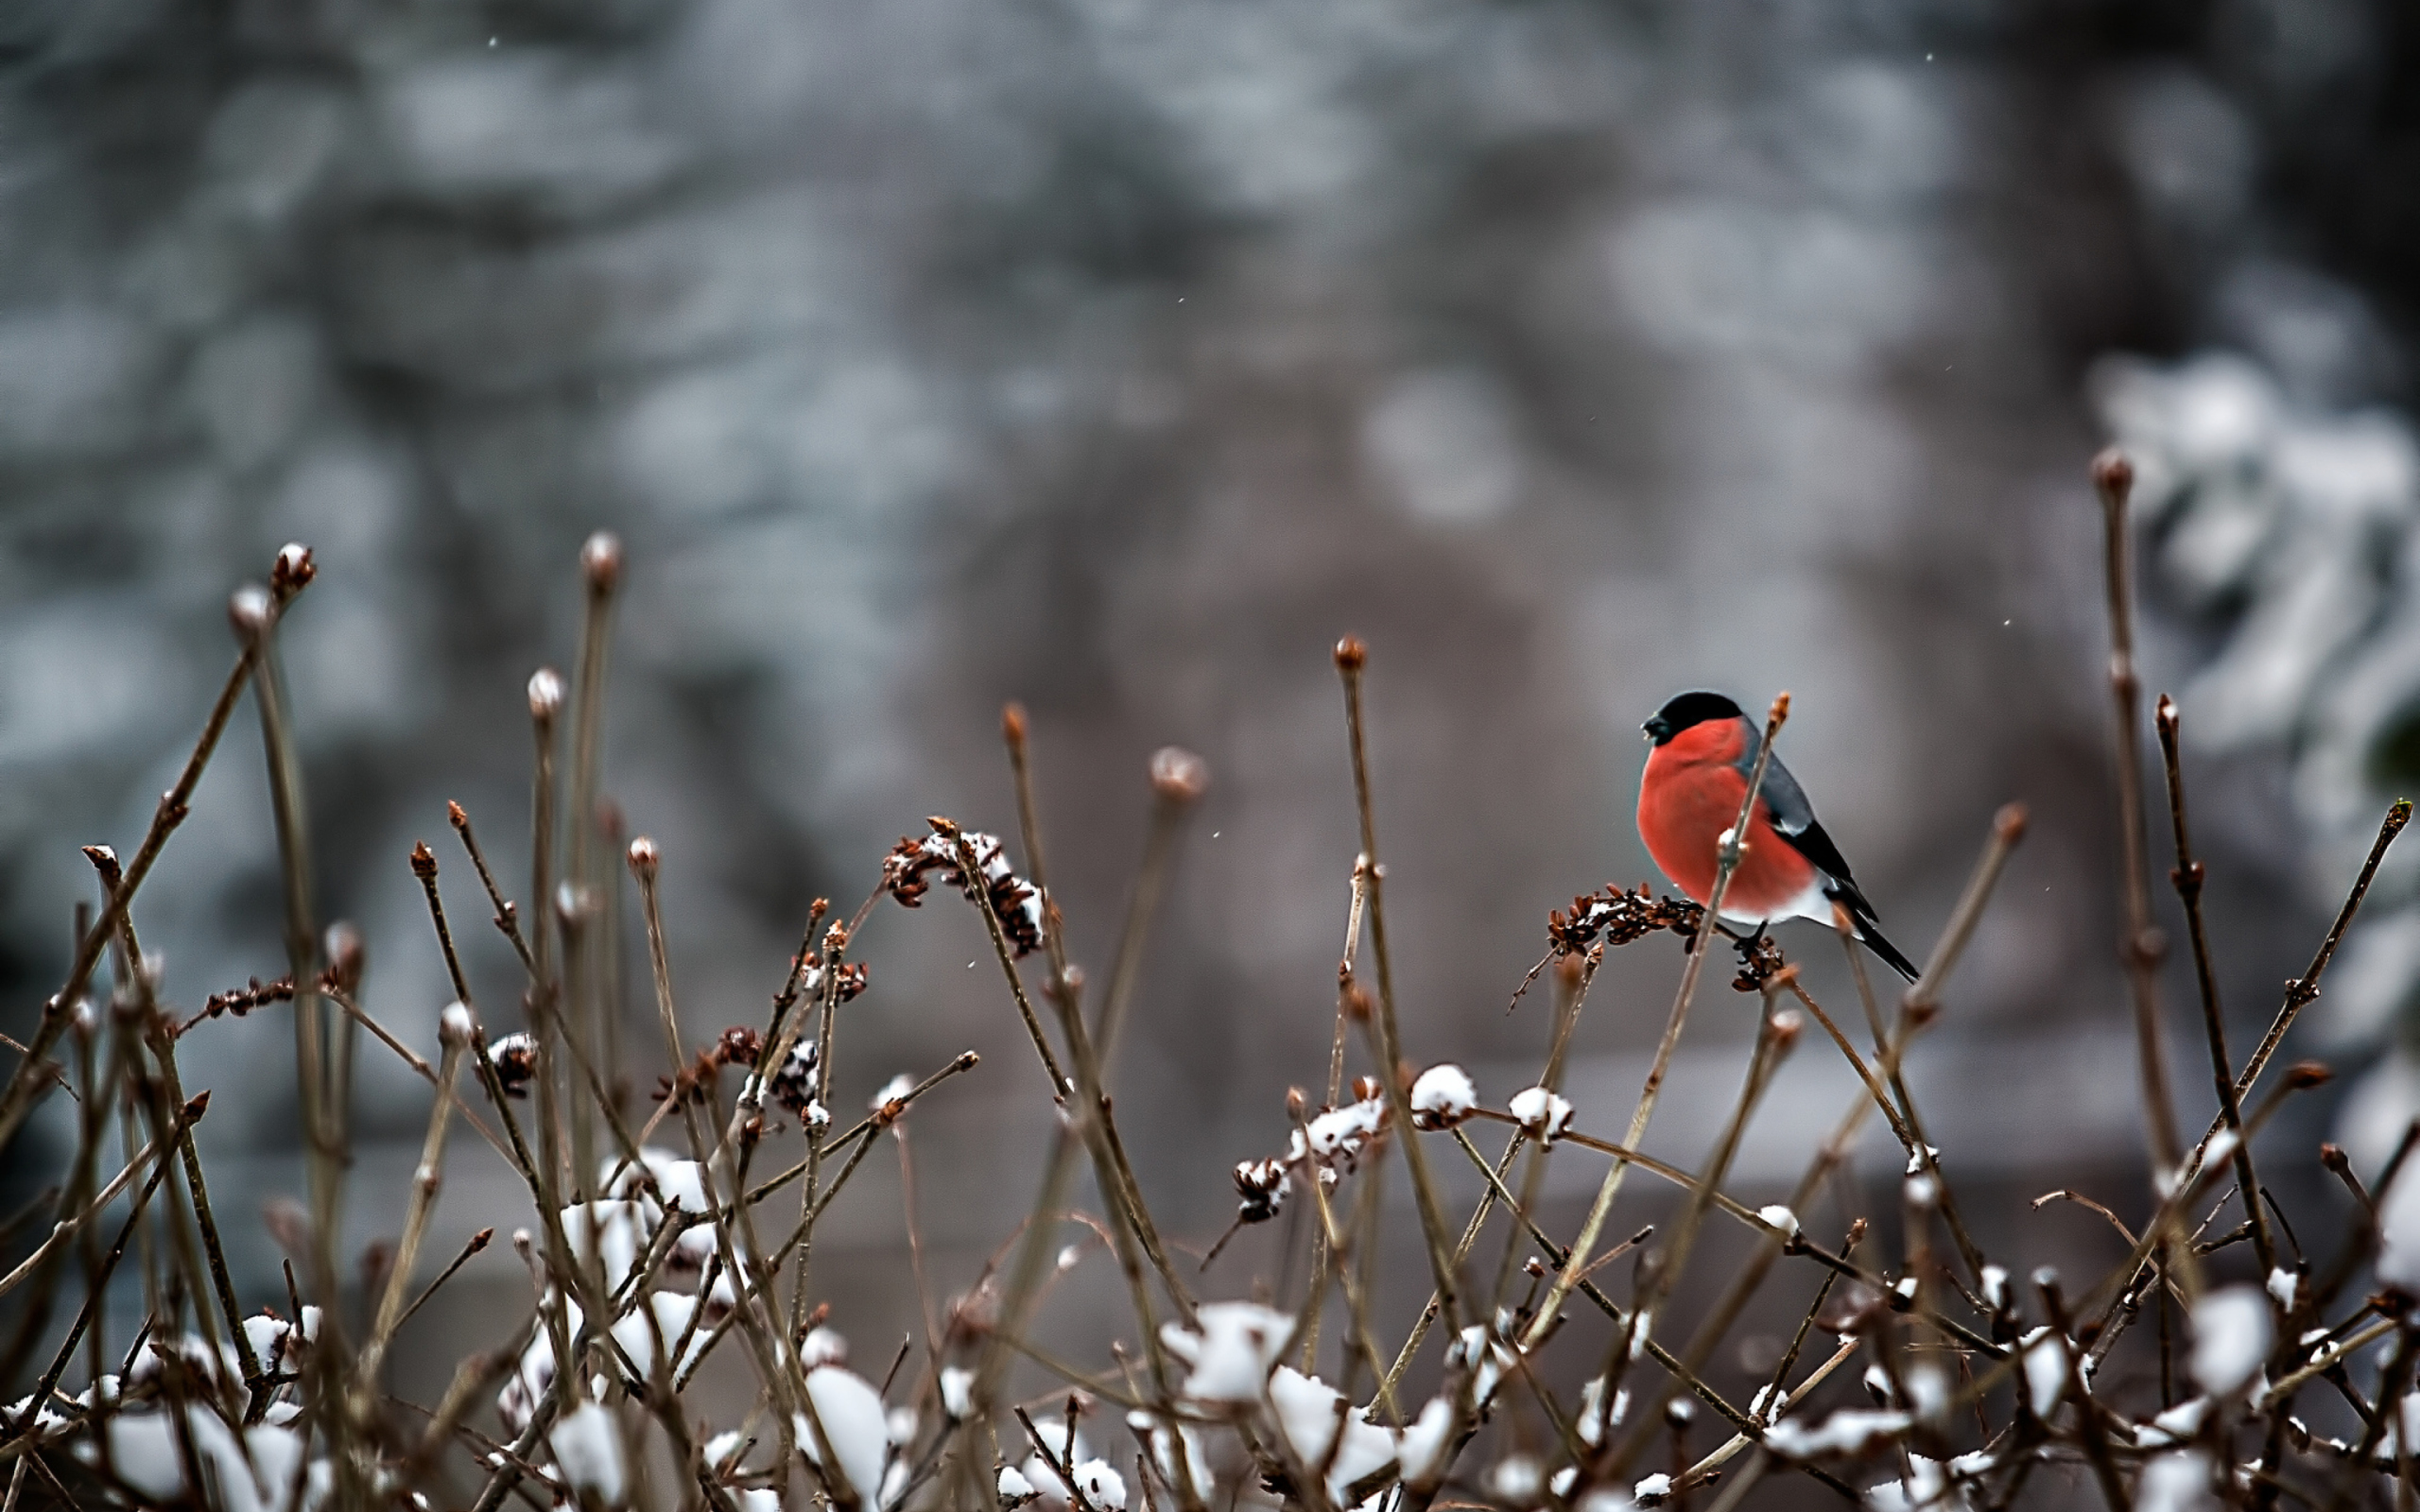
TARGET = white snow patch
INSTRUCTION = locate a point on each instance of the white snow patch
(1542, 1113)
(588, 1450)
(1443, 1097)
(2231, 1334)
(1233, 1352)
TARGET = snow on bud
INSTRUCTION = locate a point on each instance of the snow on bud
(516, 1062)
(1178, 775)
(1781, 1218)
(854, 1423)
(1336, 1136)
(1544, 1114)
(250, 611)
(1101, 1485)
(1320, 1426)
(1515, 1480)
(1232, 1352)
(1015, 1491)
(2046, 1370)
(2281, 1286)
(2177, 1425)
(2177, 1482)
(958, 1392)
(1443, 1097)
(1260, 1190)
(601, 560)
(822, 1346)
(1422, 1452)
(2231, 1336)
(588, 1450)
(546, 694)
(1849, 1431)
(645, 858)
(892, 1099)
(293, 569)
(457, 1025)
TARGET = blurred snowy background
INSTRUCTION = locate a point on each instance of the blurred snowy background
(1116, 358)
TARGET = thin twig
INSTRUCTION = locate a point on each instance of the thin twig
(2187, 878)
(2141, 950)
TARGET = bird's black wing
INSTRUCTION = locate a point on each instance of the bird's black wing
(1796, 818)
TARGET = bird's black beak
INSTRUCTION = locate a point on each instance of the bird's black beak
(1658, 730)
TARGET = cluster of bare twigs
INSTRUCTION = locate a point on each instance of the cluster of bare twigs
(650, 1261)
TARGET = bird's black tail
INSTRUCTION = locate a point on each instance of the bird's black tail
(1869, 929)
(1883, 948)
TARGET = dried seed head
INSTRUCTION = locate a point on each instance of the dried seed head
(739, 1045)
(644, 857)
(424, 861)
(2304, 1075)
(1296, 1102)
(250, 611)
(600, 561)
(2113, 474)
(1357, 1003)
(1013, 724)
(2009, 823)
(546, 695)
(1178, 775)
(2334, 1158)
(1779, 713)
(1350, 654)
(347, 954)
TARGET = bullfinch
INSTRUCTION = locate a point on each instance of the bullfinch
(1697, 774)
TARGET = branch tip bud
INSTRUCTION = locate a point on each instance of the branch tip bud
(250, 611)
(2113, 474)
(600, 561)
(1178, 775)
(1351, 653)
(546, 695)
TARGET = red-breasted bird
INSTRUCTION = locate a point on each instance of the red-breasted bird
(1789, 868)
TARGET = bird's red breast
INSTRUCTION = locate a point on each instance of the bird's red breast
(1689, 795)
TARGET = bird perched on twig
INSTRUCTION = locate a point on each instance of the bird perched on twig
(1690, 797)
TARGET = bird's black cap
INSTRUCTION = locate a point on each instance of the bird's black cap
(1682, 710)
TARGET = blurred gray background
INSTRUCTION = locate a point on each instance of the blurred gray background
(1117, 358)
